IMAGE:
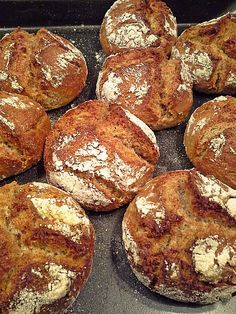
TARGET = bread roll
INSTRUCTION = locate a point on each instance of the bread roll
(138, 24)
(101, 156)
(45, 67)
(179, 234)
(208, 49)
(24, 126)
(46, 244)
(157, 90)
(210, 139)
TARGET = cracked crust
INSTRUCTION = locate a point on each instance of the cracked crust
(45, 67)
(24, 126)
(101, 155)
(43, 264)
(189, 254)
(138, 24)
(210, 139)
(158, 91)
(208, 49)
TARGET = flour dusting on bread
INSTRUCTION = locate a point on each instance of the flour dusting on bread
(83, 190)
(110, 89)
(217, 144)
(30, 301)
(132, 34)
(199, 62)
(209, 260)
(217, 192)
(154, 209)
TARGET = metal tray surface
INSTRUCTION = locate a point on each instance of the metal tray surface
(112, 287)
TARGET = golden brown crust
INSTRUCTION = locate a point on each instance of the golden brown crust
(45, 67)
(210, 139)
(138, 24)
(179, 236)
(158, 91)
(101, 155)
(209, 51)
(24, 126)
(43, 264)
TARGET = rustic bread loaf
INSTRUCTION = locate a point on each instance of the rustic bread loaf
(209, 50)
(45, 67)
(210, 139)
(24, 126)
(157, 90)
(46, 250)
(101, 156)
(179, 234)
(138, 24)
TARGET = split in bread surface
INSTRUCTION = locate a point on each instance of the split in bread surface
(179, 234)
(46, 249)
(24, 126)
(210, 139)
(209, 50)
(44, 66)
(157, 90)
(101, 155)
(138, 24)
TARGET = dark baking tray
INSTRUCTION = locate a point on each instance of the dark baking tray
(112, 287)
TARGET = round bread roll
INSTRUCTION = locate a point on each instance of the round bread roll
(101, 156)
(24, 126)
(179, 234)
(208, 49)
(47, 245)
(157, 90)
(210, 139)
(138, 24)
(45, 67)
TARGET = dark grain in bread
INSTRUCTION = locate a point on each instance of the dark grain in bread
(101, 155)
(45, 67)
(180, 237)
(24, 126)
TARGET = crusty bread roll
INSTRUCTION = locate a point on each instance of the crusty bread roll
(101, 156)
(47, 245)
(45, 67)
(208, 49)
(157, 90)
(210, 139)
(179, 234)
(24, 126)
(138, 24)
